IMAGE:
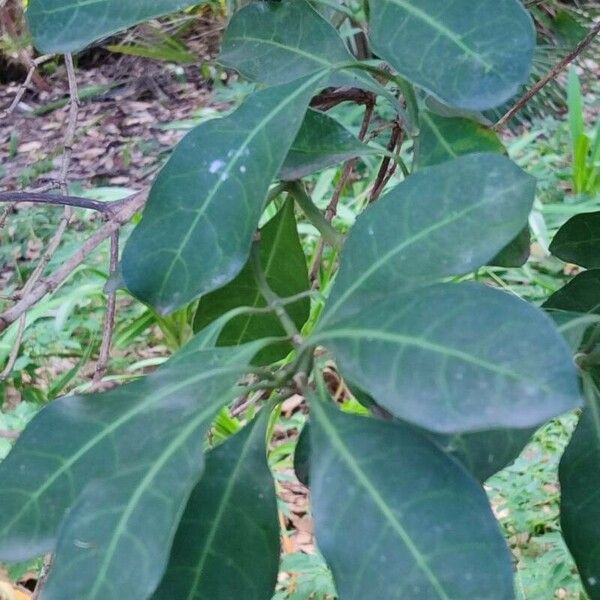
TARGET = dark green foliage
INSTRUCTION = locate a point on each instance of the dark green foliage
(455, 374)
(578, 241)
(284, 265)
(232, 512)
(373, 485)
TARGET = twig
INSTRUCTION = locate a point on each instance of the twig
(331, 210)
(271, 298)
(44, 572)
(554, 72)
(14, 353)
(67, 213)
(330, 98)
(54, 280)
(45, 198)
(109, 320)
(23, 87)
(385, 171)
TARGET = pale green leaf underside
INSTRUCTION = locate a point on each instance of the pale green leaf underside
(471, 55)
(71, 25)
(395, 517)
(455, 357)
(205, 205)
(227, 544)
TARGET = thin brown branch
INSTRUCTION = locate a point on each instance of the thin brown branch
(332, 97)
(45, 198)
(53, 281)
(552, 74)
(385, 171)
(331, 210)
(23, 87)
(109, 320)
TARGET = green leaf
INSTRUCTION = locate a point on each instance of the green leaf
(261, 44)
(454, 357)
(432, 226)
(468, 55)
(441, 139)
(227, 544)
(580, 295)
(579, 475)
(302, 455)
(205, 205)
(285, 268)
(576, 307)
(79, 438)
(395, 517)
(578, 241)
(516, 252)
(59, 26)
(321, 143)
(124, 520)
(484, 453)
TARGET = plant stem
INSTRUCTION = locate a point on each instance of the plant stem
(314, 215)
(271, 298)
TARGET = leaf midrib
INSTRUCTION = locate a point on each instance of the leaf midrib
(146, 481)
(443, 30)
(267, 269)
(448, 351)
(114, 426)
(438, 134)
(220, 514)
(380, 262)
(363, 479)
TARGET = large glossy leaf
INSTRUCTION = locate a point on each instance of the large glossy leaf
(455, 357)
(205, 205)
(227, 544)
(580, 295)
(70, 25)
(471, 55)
(579, 475)
(278, 41)
(396, 517)
(483, 453)
(441, 139)
(115, 539)
(284, 265)
(321, 142)
(80, 438)
(578, 241)
(431, 226)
